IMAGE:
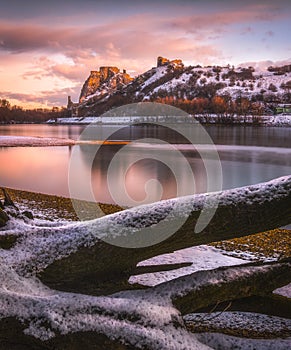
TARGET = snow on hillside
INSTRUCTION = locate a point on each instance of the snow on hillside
(173, 83)
(158, 73)
(259, 83)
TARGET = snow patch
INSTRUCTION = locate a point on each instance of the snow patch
(201, 258)
(26, 141)
(264, 120)
(284, 291)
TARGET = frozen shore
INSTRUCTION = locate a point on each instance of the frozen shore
(27, 141)
(265, 120)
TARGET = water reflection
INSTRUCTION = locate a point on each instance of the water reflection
(46, 169)
(220, 134)
(42, 130)
(150, 178)
(39, 169)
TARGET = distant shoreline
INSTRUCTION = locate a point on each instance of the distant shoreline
(282, 120)
(205, 119)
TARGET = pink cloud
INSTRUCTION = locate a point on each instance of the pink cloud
(50, 98)
(132, 42)
(219, 21)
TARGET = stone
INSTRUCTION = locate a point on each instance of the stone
(162, 61)
(3, 218)
(27, 214)
(7, 242)
(109, 76)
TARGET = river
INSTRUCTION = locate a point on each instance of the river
(144, 172)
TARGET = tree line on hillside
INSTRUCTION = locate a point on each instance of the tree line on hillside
(16, 114)
(221, 105)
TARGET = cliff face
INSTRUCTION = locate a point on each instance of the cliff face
(107, 79)
(162, 61)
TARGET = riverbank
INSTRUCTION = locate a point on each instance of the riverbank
(52, 207)
(244, 120)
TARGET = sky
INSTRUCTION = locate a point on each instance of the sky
(48, 48)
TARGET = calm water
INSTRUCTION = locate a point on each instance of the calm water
(142, 173)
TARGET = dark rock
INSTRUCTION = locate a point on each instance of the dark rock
(7, 199)
(7, 241)
(3, 218)
(162, 61)
(28, 214)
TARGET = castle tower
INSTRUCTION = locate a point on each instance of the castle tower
(70, 103)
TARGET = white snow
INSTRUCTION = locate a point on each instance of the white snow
(173, 83)
(144, 318)
(279, 120)
(265, 120)
(246, 88)
(24, 141)
(46, 312)
(39, 248)
(284, 291)
(201, 258)
(159, 72)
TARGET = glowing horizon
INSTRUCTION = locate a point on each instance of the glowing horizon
(47, 50)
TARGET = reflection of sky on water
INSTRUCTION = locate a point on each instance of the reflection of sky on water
(46, 169)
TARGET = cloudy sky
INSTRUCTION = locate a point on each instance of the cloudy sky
(47, 48)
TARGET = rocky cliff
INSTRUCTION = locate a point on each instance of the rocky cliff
(162, 61)
(107, 79)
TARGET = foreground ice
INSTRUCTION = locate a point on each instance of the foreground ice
(28, 141)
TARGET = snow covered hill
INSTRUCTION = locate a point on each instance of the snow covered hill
(196, 89)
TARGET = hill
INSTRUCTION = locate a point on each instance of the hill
(195, 89)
